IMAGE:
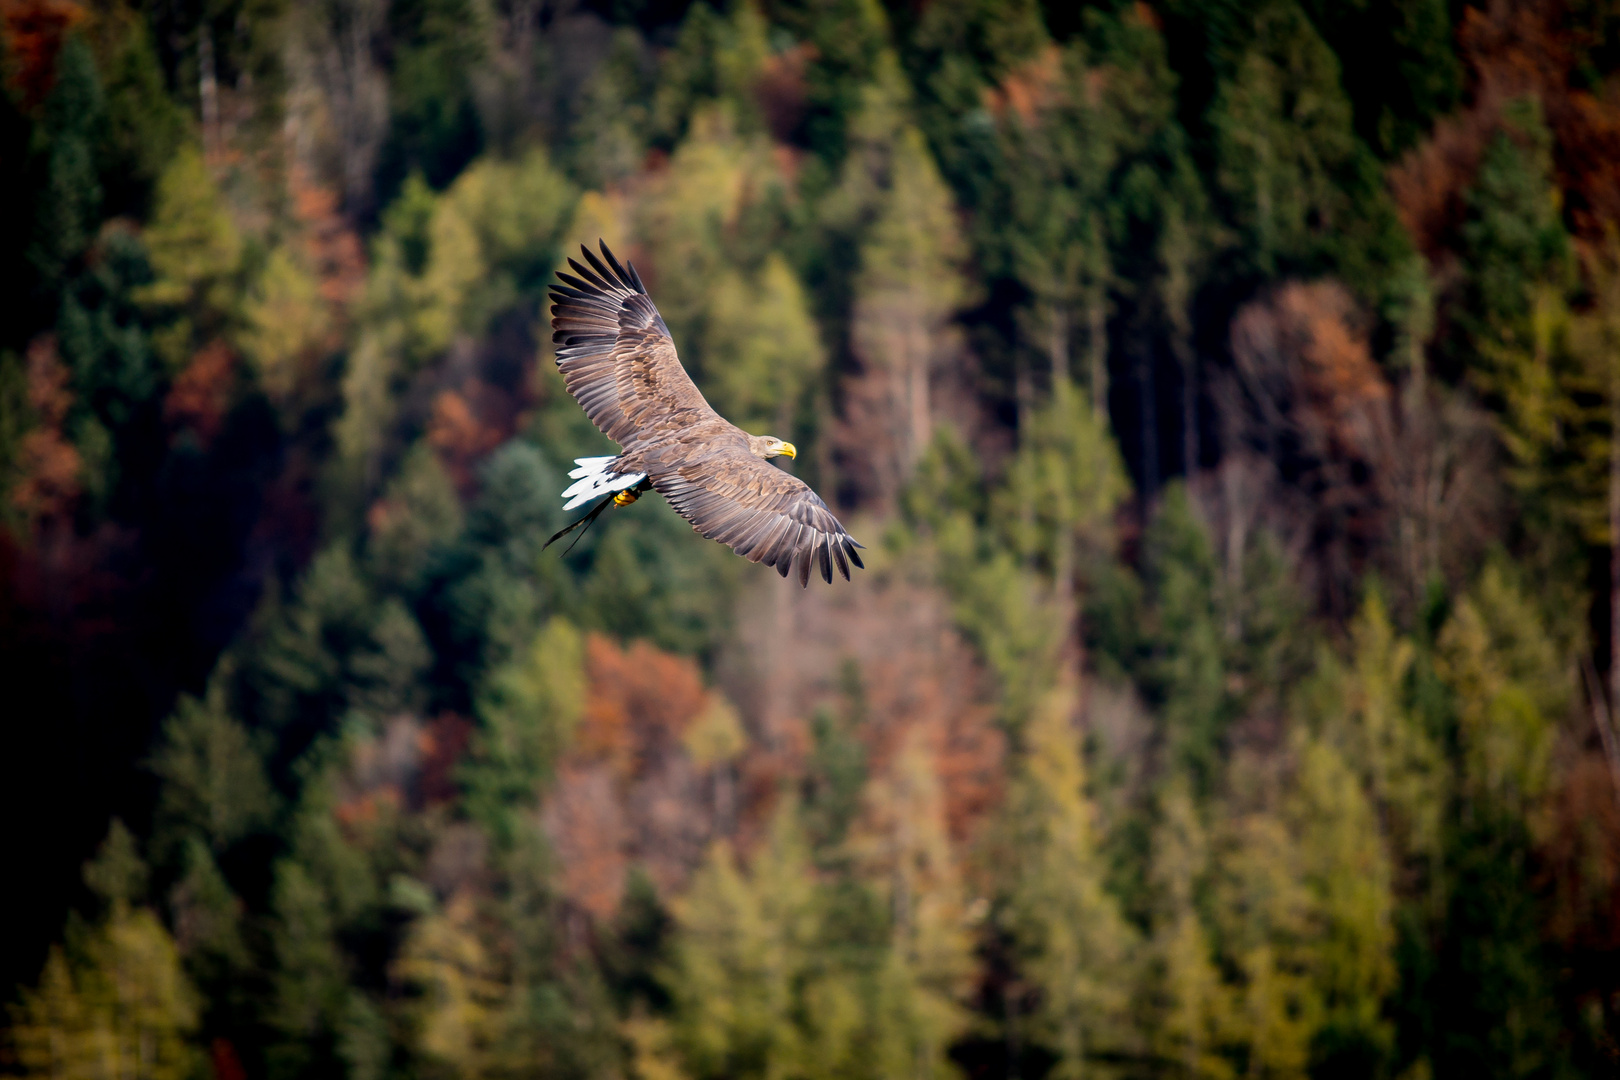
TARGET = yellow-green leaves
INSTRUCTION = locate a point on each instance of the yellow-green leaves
(457, 1012)
(1066, 929)
(740, 317)
(285, 318)
(196, 252)
(762, 349)
(1064, 484)
(120, 1007)
(443, 267)
(1510, 687)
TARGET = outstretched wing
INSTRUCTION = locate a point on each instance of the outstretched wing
(616, 355)
(760, 512)
(619, 362)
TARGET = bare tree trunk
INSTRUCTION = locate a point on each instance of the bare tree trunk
(208, 92)
(920, 412)
(1058, 343)
(1024, 391)
(1097, 352)
(1189, 402)
(1606, 721)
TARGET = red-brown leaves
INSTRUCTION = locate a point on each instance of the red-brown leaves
(1428, 183)
(330, 242)
(467, 423)
(590, 836)
(49, 467)
(781, 89)
(627, 790)
(441, 744)
(1302, 355)
(1028, 89)
(202, 393)
(1313, 398)
(34, 31)
(1516, 50)
(639, 703)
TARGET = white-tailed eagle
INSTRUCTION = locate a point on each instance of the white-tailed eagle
(619, 363)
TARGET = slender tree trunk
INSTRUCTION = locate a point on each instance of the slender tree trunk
(1097, 351)
(1189, 402)
(1024, 391)
(1058, 344)
(208, 92)
(921, 412)
(1606, 720)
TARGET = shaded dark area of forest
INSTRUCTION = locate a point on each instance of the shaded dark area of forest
(1228, 395)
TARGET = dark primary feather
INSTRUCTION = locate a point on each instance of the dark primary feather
(619, 363)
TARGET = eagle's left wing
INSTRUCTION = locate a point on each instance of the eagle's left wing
(616, 355)
(760, 512)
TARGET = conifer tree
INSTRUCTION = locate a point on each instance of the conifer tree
(114, 1001)
(1071, 945)
(67, 205)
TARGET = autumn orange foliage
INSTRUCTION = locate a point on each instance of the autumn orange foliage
(202, 393)
(1029, 88)
(626, 791)
(49, 466)
(1315, 401)
(639, 702)
(468, 422)
(34, 31)
(1516, 50)
(330, 241)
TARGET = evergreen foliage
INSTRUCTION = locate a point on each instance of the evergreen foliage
(1227, 394)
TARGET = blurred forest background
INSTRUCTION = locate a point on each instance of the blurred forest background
(1228, 394)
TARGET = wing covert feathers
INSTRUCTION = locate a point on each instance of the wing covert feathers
(616, 356)
(760, 512)
(619, 363)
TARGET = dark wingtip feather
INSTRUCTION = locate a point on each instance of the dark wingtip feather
(600, 267)
(623, 275)
(824, 559)
(783, 566)
(596, 283)
(849, 549)
(838, 556)
(804, 569)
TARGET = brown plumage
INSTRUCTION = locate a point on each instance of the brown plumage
(618, 360)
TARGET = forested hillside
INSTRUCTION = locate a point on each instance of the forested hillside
(1227, 393)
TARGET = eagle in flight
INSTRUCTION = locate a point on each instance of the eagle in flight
(619, 363)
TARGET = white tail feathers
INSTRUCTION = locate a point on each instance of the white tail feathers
(592, 479)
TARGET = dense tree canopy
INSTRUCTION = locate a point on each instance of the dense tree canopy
(1230, 393)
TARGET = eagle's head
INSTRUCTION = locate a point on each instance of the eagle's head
(769, 446)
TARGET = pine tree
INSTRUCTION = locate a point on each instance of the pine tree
(1071, 944)
(114, 1001)
(1183, 1005)
(67, 203)
(196, 252)
(1296, 180)
(214, 786)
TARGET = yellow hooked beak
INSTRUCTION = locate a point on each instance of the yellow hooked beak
(789, 449)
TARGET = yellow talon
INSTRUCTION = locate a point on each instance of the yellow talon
(625, 498)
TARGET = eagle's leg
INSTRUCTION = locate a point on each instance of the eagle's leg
(630, 495)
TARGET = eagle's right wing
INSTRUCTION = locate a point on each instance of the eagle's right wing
(616, 356)
(760, 512)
